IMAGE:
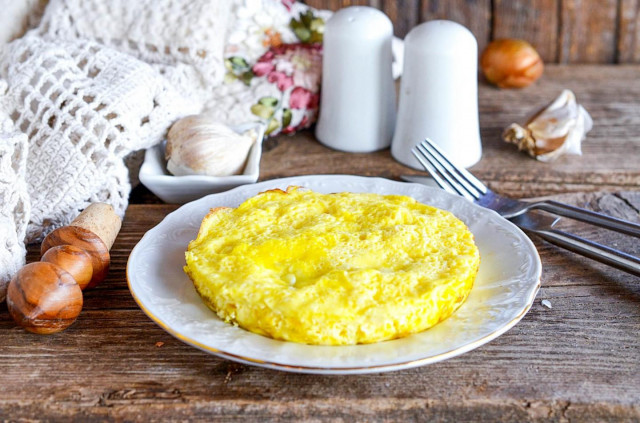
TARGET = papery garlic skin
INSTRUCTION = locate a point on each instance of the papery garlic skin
(556, 129)
(197, 145)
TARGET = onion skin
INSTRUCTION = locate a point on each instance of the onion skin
(511, 63)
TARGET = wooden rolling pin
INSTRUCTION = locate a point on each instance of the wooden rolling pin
(46, 296)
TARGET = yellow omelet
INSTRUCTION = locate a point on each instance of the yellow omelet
(332, 269)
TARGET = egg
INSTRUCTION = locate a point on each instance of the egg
(332, 269)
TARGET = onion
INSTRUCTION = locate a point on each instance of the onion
(511, 63)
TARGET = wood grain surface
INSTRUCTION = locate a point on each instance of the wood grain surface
(629, 32)
(405, 14)
(577, 361)
(533, 20)
(588, 31)
(475, 15)
(563, 31)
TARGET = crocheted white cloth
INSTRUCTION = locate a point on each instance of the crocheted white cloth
(14, 201)
(18, 17)
(82, 94)
(100, 80)
(182, 39)
(83, 107)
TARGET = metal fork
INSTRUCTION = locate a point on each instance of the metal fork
(459, 181)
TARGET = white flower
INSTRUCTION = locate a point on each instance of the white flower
(256, 21)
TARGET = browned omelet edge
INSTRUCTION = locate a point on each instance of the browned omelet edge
(208, 302)
(216, 210)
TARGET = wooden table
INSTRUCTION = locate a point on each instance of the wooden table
(577, 361)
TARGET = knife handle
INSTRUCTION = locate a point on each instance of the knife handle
(591, 249)
(588, 216)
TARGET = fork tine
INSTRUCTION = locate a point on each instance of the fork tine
(433, 171)
(452, 171)
(438, 173)
(461, 171)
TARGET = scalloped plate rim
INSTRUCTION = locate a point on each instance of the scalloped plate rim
(533, 276)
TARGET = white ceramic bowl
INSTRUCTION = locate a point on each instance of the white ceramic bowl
(182, 189)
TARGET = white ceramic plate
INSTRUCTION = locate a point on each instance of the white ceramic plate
(507, 283)
(181, 189)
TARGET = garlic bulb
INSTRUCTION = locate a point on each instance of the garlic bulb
(197, 145)
(556, 129)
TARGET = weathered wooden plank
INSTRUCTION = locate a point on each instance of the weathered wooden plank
(591, 326)
(474, 14)
(171, 404)
(576, 361)
(405, 14)
(629, 32)
(336, 4)
(535, 21)
(565, 31)
(588, 31)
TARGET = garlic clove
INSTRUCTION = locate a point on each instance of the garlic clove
(198, 145)
(556, 129)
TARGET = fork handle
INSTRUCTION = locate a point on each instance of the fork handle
(591, 249)
(589, 216)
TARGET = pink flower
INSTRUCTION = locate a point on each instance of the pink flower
(262, 68)
(282, 80)
(291, 64)
(301, 98)
(288, 130)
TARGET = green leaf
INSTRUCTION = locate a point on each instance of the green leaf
(268, 101)
(306, 18)
(293, 24)
(247, 77)
(315, 38)
(272, 126)
(260, 110)
(286, 117)
(238, 64)
(317, 25)
(308, 29)
(229, 78)
(303, 34)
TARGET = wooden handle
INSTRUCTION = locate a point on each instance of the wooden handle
(102, 220)
(43, 298)
(93, 231)
(46, 297)
(85, 240)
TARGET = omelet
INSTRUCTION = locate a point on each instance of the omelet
(332, 269)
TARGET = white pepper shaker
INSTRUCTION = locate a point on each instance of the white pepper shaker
(357, 106)
(439, 94)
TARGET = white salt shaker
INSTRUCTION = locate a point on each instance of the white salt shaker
(439, 94)
(357, 106)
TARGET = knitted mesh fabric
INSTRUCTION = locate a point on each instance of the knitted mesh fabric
(183, 40)
(14, 200)
(83, 107)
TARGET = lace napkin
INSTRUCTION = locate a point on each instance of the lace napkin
(14, 200)
(98, 81)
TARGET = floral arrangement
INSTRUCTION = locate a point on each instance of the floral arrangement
(273, 60)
